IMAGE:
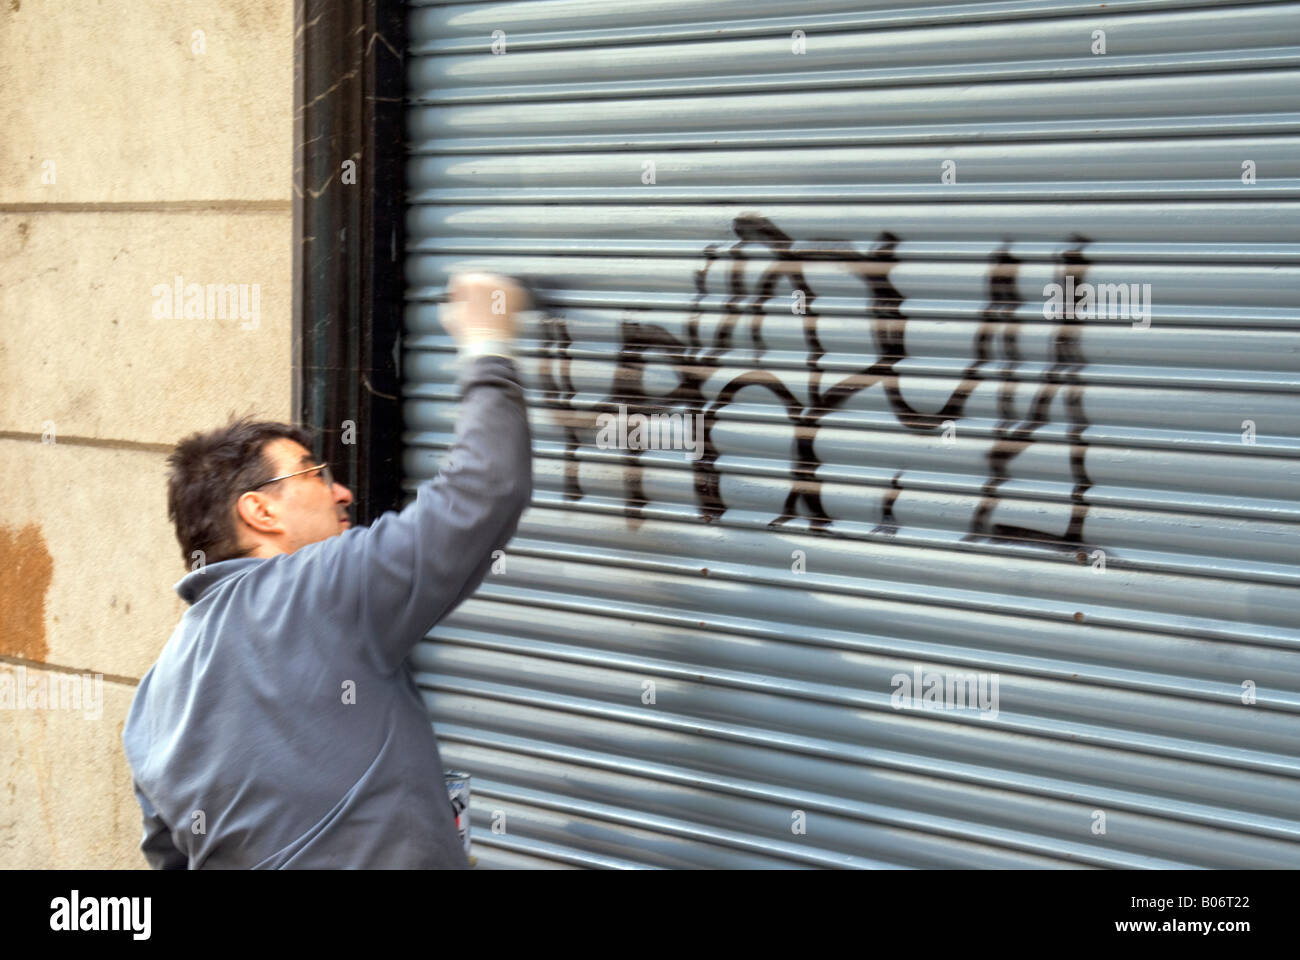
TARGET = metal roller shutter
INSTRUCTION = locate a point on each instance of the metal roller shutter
(921, 475)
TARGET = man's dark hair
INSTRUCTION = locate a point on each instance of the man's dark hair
(209, 470)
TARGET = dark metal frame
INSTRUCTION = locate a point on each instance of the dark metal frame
(349, 240)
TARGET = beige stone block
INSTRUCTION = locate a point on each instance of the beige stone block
(66, 800)
(119, 98)
(80, 347)
(88, 558)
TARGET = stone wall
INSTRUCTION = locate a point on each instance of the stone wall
(143, 142)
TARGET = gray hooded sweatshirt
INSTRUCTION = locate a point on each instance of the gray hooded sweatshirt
(281, 726)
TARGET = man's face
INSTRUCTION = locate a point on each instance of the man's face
(296, 511)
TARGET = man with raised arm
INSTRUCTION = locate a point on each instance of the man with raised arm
(281, 726)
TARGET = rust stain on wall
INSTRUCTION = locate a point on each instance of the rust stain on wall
(26, 570)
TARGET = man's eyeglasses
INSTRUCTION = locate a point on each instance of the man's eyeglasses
(324, 469)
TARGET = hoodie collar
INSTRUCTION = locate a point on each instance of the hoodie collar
(196, 583)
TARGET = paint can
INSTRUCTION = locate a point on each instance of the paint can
(457, 782)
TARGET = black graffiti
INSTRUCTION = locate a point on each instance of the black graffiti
(694, 360)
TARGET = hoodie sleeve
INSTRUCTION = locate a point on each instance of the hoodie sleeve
(156, 843)
(390, 582)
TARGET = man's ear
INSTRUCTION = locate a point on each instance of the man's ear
(255, 511)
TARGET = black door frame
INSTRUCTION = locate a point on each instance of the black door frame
(349, 240)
